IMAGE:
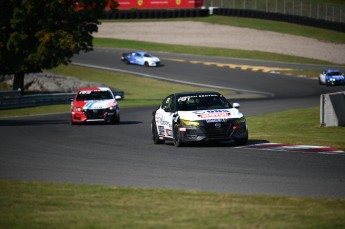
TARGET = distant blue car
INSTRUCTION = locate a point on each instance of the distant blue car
(331, 77)
(140, 58)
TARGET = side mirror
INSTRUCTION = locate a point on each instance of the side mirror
(118, 97)
(236, 105)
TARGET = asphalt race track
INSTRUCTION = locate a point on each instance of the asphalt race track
(48, 148)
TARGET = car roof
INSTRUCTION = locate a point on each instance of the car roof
(196, 93)
(94, 89)
(331, 70)
(141, 52)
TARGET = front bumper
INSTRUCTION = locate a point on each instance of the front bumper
(92, 115)
(335, 81)
(154, 64)
(213, 132)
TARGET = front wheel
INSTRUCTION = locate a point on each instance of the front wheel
(241, 141)
(177, 138)
(116, 120)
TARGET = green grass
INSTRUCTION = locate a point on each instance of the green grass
(261, 24)
(46, 205)
(204, 51)
(300, 126)
(138, 90)
(279, 27)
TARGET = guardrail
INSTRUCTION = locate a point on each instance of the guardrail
(10, 94)
(13, 99)
(10, 102)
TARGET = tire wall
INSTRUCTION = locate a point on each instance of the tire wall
(187, 13)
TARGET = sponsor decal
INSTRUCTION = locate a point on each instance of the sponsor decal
(212, 113)
(161, 130)
(165, 123)
(215, 120)
(186, 98)
(222, 114)
(168, 132)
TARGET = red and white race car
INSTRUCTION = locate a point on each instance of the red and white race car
(95, 104)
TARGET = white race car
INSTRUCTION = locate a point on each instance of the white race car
(140, 58)
(198, 116)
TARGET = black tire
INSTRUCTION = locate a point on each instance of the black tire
(241, 141)
(146, 64)
(116, 120)
(177, 138)
(155, 136)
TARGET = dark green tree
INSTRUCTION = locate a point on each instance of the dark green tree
(42, 34)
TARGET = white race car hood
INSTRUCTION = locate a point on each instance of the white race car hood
(210, 114)
(152, 58)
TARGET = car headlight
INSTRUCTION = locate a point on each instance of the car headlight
(76, 108)
(189, 123)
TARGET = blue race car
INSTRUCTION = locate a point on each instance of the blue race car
(140, 58)
(331, 77)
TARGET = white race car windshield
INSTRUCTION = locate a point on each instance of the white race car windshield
(202, 102)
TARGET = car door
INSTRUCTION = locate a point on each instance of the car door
(164, 117)
(139, 59)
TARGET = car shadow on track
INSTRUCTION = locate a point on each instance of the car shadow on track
(220, 144)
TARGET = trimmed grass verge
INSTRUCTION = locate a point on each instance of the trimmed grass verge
(46, 205)
(301, 126)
